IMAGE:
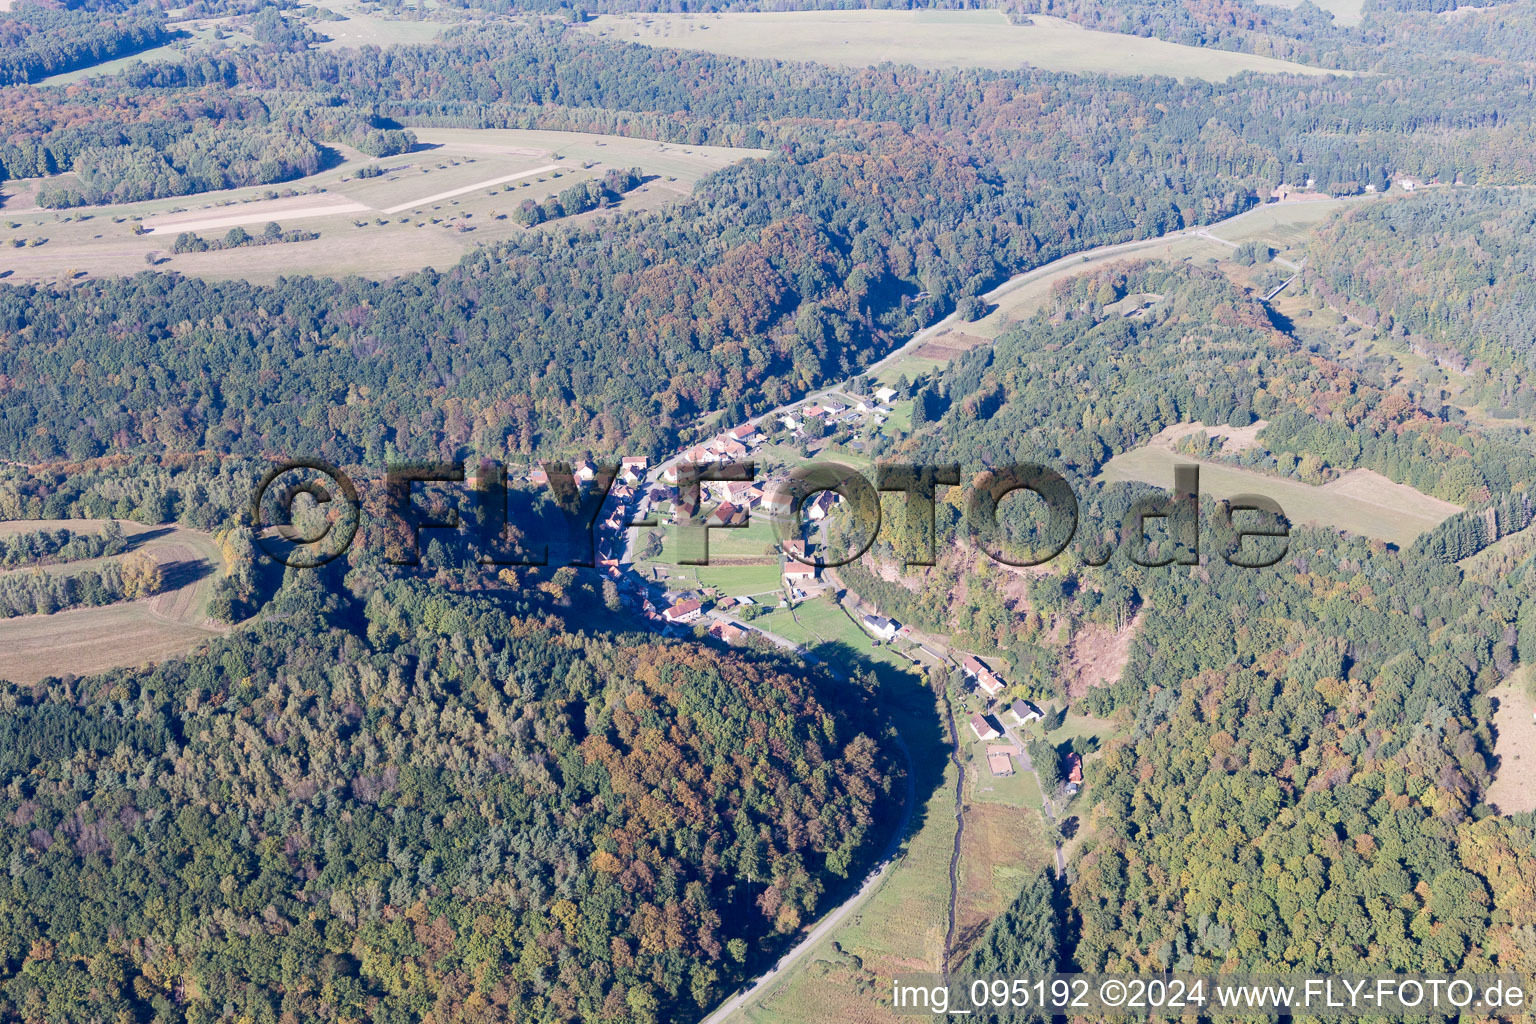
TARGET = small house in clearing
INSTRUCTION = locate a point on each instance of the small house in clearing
(1024, 712)
(881, 627)
(1074, 766)
(982, 727)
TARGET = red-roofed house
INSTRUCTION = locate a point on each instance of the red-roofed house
(683, 611)
(986, 679)
(983, 728)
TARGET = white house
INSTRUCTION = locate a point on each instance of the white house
(885, 395)
(881, 627)
(1024, 712)
(684, 611)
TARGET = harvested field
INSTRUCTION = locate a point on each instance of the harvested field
(88, 640)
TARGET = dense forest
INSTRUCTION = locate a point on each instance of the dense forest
(1458, 289)
(457, 809)
(805, 265)
(1314, 779)
(37, 41)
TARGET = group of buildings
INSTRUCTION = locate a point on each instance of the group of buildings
(831, 413)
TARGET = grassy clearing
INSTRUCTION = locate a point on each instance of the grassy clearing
(87, 640)
(99, 241)
(1002, 847)
(1018, 791)
(731, 580)
(1360, 502)
(200, 35)
(369, 27)
(1514, 785)
(958, 39)
(822, 626)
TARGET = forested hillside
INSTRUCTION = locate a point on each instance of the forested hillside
(37, 40)
(1309, 793)
(802, 266)
(457, 809)
(1458, 288)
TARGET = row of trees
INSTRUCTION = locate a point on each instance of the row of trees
(239, 238)
(35, 592)
(581, 198)
(62, 544)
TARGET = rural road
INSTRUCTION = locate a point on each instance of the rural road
(838, 915)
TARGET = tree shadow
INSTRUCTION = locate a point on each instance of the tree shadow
(135, 541)
(183, 573)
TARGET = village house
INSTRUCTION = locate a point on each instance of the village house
(683, 612)
(632, 468)
(881, 627)
(799, 572)
(584, 472)
(727, 514)
(1074, 766)
(728, 447)
(730, 632)
(1024, 712)
(746, 434)
(742, 492)
(790, 423)
(986, 680)
(819, 507)
(778, 502)
(982, 727)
